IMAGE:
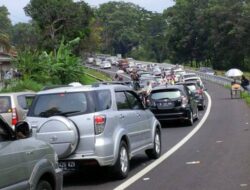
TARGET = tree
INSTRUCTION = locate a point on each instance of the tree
(5, 27)
(25, 36)
(59, 19)
(120, 26)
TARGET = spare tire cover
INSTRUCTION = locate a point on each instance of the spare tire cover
(61, 133)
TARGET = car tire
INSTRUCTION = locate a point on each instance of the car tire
(202, 107)
(190, 120)
(155, 152)
(197, 114)
(43, 185)
(121, 167)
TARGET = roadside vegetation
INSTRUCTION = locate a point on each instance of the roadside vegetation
(194, 33)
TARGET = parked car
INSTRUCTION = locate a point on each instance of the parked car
(105, 125)
(25, 162)
(14, 106)
(173, 102)
(105, 65)
(198, 93)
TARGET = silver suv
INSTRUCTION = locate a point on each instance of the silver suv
(25, 162)
(104, 125)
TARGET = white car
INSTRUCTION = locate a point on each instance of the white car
(105, 65)
(98, 62)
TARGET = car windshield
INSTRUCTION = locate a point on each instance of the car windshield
(166, 94)
(66, 104)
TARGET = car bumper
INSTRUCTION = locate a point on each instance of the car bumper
(171, 114)
(200, 100)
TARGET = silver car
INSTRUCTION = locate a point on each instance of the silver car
(14, 106)
(25, 162)
(104, 125)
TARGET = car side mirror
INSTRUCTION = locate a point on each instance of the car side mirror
(22, 130)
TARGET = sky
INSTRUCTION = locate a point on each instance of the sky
(17, 14)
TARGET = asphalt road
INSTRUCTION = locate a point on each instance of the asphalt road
(215, 158)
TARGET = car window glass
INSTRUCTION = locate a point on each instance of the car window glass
(76, 103)
(134, 101)
(121, 101)
(171, 94)
(5, 104)
(192, 88)
(104, 99)
(25, 101)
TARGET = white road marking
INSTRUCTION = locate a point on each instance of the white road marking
(168, 153)
(219, 141)
(243, 185)
(146, 179)
(193, 162)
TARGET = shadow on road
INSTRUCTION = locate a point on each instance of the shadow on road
(95, 175)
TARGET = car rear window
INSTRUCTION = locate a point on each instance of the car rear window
(67, 104)
(171, 94)
(192, 87)
(5, 104)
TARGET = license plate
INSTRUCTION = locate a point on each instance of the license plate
(164, 104)
(67, 165)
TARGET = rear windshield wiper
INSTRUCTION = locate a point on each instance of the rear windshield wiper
(68, 113)
(50, 113)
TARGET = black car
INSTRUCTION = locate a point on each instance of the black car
(198, 92)
(173, 102)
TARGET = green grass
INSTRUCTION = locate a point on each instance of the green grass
(22, 85)
(97, 74)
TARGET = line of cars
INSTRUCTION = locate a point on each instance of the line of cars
(103, 124)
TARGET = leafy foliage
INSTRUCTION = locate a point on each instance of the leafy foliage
(60, 68)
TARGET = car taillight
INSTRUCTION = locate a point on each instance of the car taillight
(184, 101)
(14, 118)
(199, 91)
(100, 121)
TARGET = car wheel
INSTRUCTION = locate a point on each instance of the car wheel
(155, 152)
(202, 107)
(197, 114)
(43, 185)
(190, 120)
(121, 166)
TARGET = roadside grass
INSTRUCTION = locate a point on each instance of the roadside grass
(97, 74)
(17, 85)
(244, 95)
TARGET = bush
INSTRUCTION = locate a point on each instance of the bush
(22, 85)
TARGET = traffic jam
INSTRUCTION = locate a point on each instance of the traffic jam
(106, 124)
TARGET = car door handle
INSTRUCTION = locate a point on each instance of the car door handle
(29, 152)
(138, 115)
(122, 116)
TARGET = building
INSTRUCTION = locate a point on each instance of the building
(5, 62)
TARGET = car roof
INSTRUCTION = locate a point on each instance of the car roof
(163, 87)
(116, 87)
(17, 93)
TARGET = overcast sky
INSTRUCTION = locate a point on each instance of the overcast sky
(15, 7)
